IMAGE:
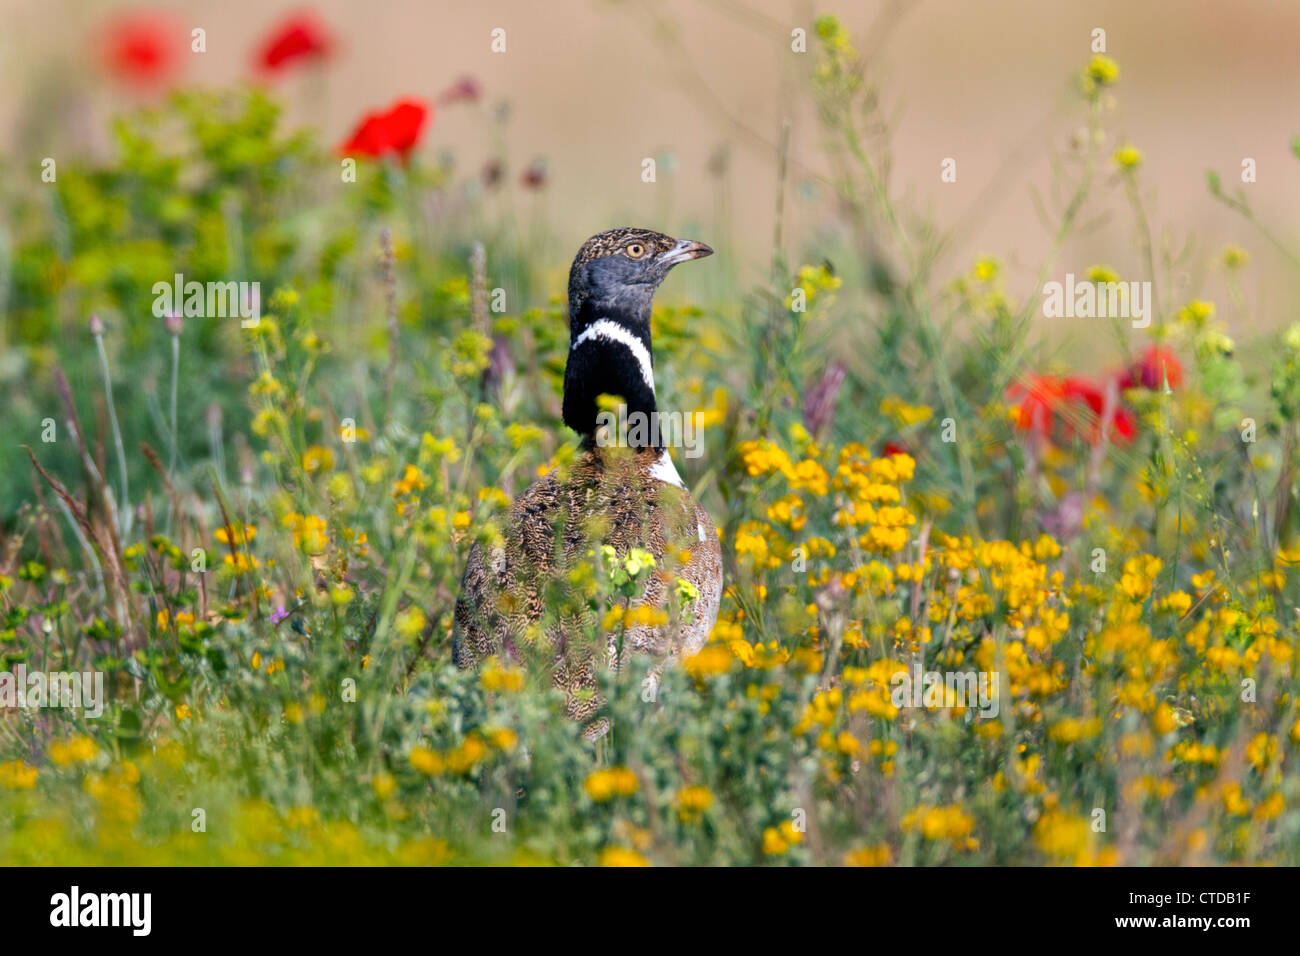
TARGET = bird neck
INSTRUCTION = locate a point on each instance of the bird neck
(610, 354)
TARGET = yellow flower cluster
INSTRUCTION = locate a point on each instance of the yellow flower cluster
(76, 750)
(878, 855)
(814, 282)
(317, 458)
(950, 823)
(1100, 73)
(605, 785)
(310, 532)
(499, 677)
(903, 414)
(710, 661)
(693, 803)
(621, 856)
(17, 775)
(778, 840)
(464, 757)
(117, 796)
(236, 533)
(407, 488)
(871, 495)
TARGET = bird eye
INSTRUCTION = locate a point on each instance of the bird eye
(634, 250)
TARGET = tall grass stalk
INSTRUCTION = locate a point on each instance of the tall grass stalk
(175, 431)
(125, 511)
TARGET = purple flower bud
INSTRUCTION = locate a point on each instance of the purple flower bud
(819, 401)
(172, 323)
(501, 363)
(465, 90)
(535, 176)
(96, 326)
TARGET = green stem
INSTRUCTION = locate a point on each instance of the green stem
(125, 518)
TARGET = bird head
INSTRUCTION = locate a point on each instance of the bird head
(618, 271)
(611, 287)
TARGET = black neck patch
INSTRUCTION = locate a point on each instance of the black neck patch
(605, 357)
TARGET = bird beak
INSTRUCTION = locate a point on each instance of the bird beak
(684, 250)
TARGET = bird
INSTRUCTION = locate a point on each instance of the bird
(618, 499)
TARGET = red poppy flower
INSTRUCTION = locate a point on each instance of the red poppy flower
(1041, 399)
(142, 48)
(1150, 371)
(300, 37)
(1036, 401)
(395, 131)
(1123, 423)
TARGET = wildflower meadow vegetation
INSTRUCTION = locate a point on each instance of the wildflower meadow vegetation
(253, 524)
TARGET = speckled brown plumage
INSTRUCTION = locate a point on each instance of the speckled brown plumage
(603, 497)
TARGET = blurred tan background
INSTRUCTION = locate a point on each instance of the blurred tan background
(596, 85)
